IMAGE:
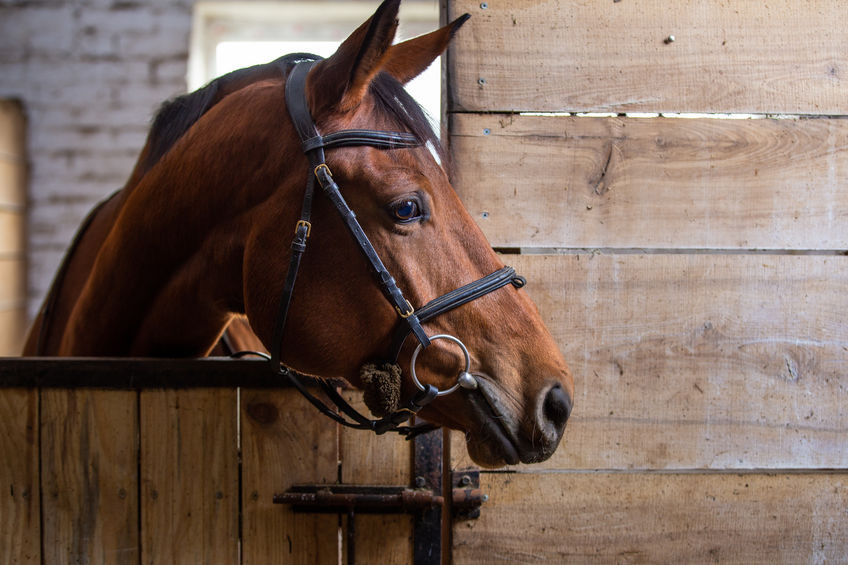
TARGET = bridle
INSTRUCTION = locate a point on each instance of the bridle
(409, 320)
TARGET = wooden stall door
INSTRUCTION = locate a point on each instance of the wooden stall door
(286, 442)
(692, 268)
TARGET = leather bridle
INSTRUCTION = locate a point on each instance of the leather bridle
(409, 320)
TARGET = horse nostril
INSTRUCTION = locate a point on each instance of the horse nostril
(557, 406)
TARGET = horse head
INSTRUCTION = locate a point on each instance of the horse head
(340, 320)
(204, 231)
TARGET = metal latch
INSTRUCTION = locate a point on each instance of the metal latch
(342, 499)
(424, 501)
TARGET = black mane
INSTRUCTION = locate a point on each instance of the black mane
(176, 116)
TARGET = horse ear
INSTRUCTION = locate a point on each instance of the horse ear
(407, 60)
(341, 80)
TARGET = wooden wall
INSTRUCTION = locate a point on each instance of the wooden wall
(183, 477)
(13, 200)
(693, 270)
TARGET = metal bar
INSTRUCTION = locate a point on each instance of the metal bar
(369, 500)
(427, 527)
(138, 373)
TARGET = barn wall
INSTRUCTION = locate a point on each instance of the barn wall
(691, 269)
(89, 73)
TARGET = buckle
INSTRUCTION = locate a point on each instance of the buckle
(303, 223)
(410, 310)
(325, 167)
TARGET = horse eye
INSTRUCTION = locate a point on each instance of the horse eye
(406, 210)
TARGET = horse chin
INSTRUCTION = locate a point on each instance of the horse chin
(492, 442)
(495, 438)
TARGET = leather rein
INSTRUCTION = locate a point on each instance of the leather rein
(409, 320)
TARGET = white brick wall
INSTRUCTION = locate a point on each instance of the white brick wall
(90, 74)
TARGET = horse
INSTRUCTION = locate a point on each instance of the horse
(202, 235)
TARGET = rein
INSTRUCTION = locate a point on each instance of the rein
(409, 321)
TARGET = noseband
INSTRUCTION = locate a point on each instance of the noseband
(409, 320)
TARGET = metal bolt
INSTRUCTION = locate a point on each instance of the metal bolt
(485, 215)
(484, 5)
(420, 482)
(465, 480)
(481, 81)
(486, 131)
(669, 39)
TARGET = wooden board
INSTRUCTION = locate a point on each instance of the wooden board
(89, 476)
(12, 233)
(12, 181)
(12, 128)
(657, 518)
(532, 181)
(369, 459)
(189, 477)
(753, 57)
(12, 283)
(697, 361)
(20, 524)
(285, 442)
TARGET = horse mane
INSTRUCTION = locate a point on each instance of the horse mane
(176, 116)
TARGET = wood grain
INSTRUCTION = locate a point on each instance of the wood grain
(697, 361)
(369, 459)
(12, 181)
(532, 181)
(89, 477)
(285, 442)
(12, 233)
(12, 128)
(20, 527)
(657, 518)
(189, 477)
(752, 57)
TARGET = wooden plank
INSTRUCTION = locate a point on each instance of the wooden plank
(697, 361)
(285, 442)
(658, 518)
(11, 233)
(749, 57)
(369, 459)
(20, 526)
(12, 283)
(189, 477)
(89, 476)
(533, 181)
(138, 373)
(12, 128)
(13, 327)
(12, 182)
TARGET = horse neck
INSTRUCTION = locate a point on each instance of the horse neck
(168, 276)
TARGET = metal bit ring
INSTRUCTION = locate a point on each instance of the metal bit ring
(464, 380)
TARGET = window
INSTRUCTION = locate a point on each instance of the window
(231, 35)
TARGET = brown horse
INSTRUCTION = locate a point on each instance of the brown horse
(201, 233)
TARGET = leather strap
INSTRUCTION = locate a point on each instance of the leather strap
(313, 144)
(455, 299)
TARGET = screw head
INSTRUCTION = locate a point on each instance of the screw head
(484, 5)
(465, 480)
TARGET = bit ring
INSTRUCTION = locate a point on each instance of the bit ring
(465, 379)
